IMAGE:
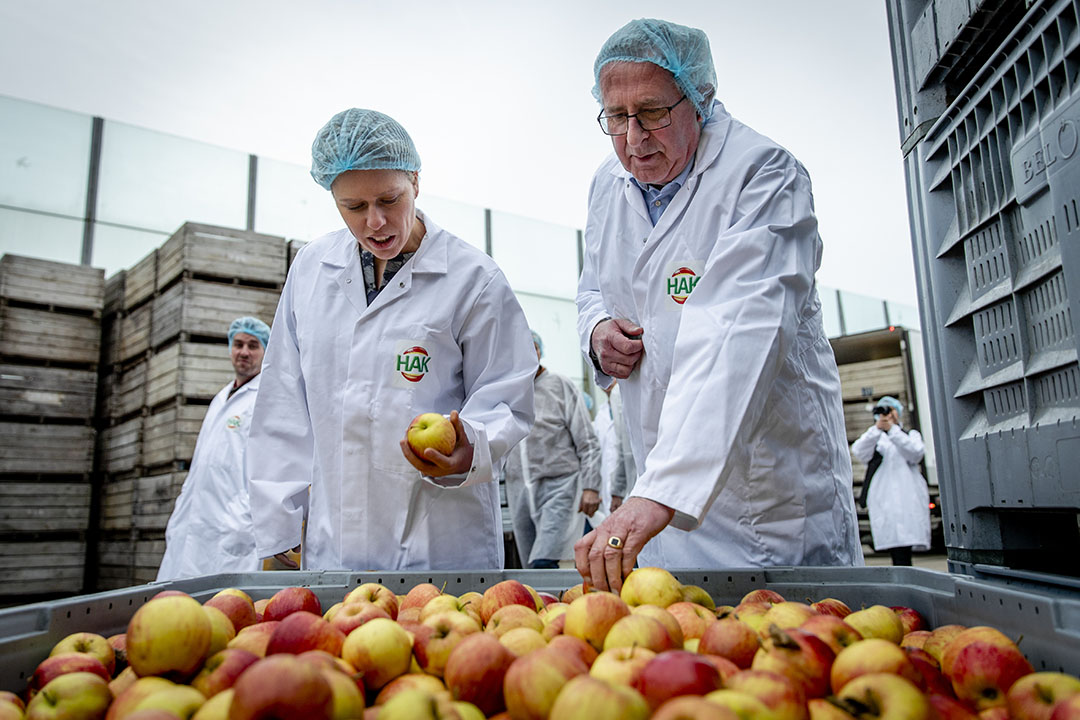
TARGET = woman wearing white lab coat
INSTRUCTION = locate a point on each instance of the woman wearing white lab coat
(209, 530)
(349, 366)
(733, 410)
(897, 499)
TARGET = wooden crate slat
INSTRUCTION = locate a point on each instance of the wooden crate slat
(47, 392)
(34, 333)
(218, 251)
(170, 435)
(114, 292)
(129, 391)
(198, 307)
(876, 377)
(134, 337)
(188, 370)
(79, 287)
(121, 445)
(46, 449)
(140, 281)
(294, 247)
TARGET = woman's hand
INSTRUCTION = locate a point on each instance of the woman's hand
(433, 463)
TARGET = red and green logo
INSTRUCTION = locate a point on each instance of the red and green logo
(413, 363)
(681, 284)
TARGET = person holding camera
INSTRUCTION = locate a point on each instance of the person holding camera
(898, 499)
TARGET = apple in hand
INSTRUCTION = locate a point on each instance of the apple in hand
(674, 673)
(74, 695)
(431, 430)
(1033, 696)
(475, 671)
(91, 644)
(168, 636)
(587, 698)
(281, 686)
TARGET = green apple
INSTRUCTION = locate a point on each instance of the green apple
(168, 635)
(80, 695)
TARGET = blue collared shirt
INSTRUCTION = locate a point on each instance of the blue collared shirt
(658, 198)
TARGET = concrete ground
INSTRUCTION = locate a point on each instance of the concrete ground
(928, 560)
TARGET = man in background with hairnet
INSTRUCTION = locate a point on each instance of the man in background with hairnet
(558, 462)
(209, 530)
(698, 294)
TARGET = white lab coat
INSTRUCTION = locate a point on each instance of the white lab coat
(341, 383)
(734, 411)
(604, 427)
(209, 530)
(898, 499)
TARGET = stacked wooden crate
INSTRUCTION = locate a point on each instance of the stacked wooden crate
(50, 335)
(170, 357)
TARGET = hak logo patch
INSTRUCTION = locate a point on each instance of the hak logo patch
(412, 363)
(233, 422)
(681, 283)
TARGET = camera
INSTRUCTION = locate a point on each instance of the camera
(880, 410)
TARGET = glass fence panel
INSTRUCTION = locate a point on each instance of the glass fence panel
(290, 204)
(537, 257)
(41, 236)
(861, 312)
(116, 248)
(556, 323)
(465, 221)
(830, 311)
(44, 157)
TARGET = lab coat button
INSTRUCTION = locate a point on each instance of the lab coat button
(348, 281)
(401, 284)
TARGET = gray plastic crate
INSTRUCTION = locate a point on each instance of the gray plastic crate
(994, 193)
(1047, 618)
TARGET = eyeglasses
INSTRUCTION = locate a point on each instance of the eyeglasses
(648, 119)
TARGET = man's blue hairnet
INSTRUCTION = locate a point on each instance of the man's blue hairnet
(357, 139)
(252, 326)
(890, 401)
(682, 51)
(538, 342)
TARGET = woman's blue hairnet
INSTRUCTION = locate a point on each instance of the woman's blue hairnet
(357, 139)
(890, 401)
(538, 342)
(682, 51)
(252, 326)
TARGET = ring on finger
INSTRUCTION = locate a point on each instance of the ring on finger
(615, 542)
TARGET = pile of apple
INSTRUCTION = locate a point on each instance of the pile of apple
(659, 650)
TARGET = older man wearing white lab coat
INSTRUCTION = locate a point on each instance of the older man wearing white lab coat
(698, 293)
(209, 530)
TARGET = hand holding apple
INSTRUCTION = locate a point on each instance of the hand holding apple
(428, 450)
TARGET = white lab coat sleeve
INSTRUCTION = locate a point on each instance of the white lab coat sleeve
(590, 304)
(498, 365)
(584, 438)
(281, 450)
(863, 448)
(909, 444)
(737, 329)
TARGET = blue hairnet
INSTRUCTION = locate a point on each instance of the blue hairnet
(252, 326)
(890, 401)
(682, 51)
(538, 342)
(358, 139)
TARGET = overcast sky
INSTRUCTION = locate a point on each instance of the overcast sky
(496, 94)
